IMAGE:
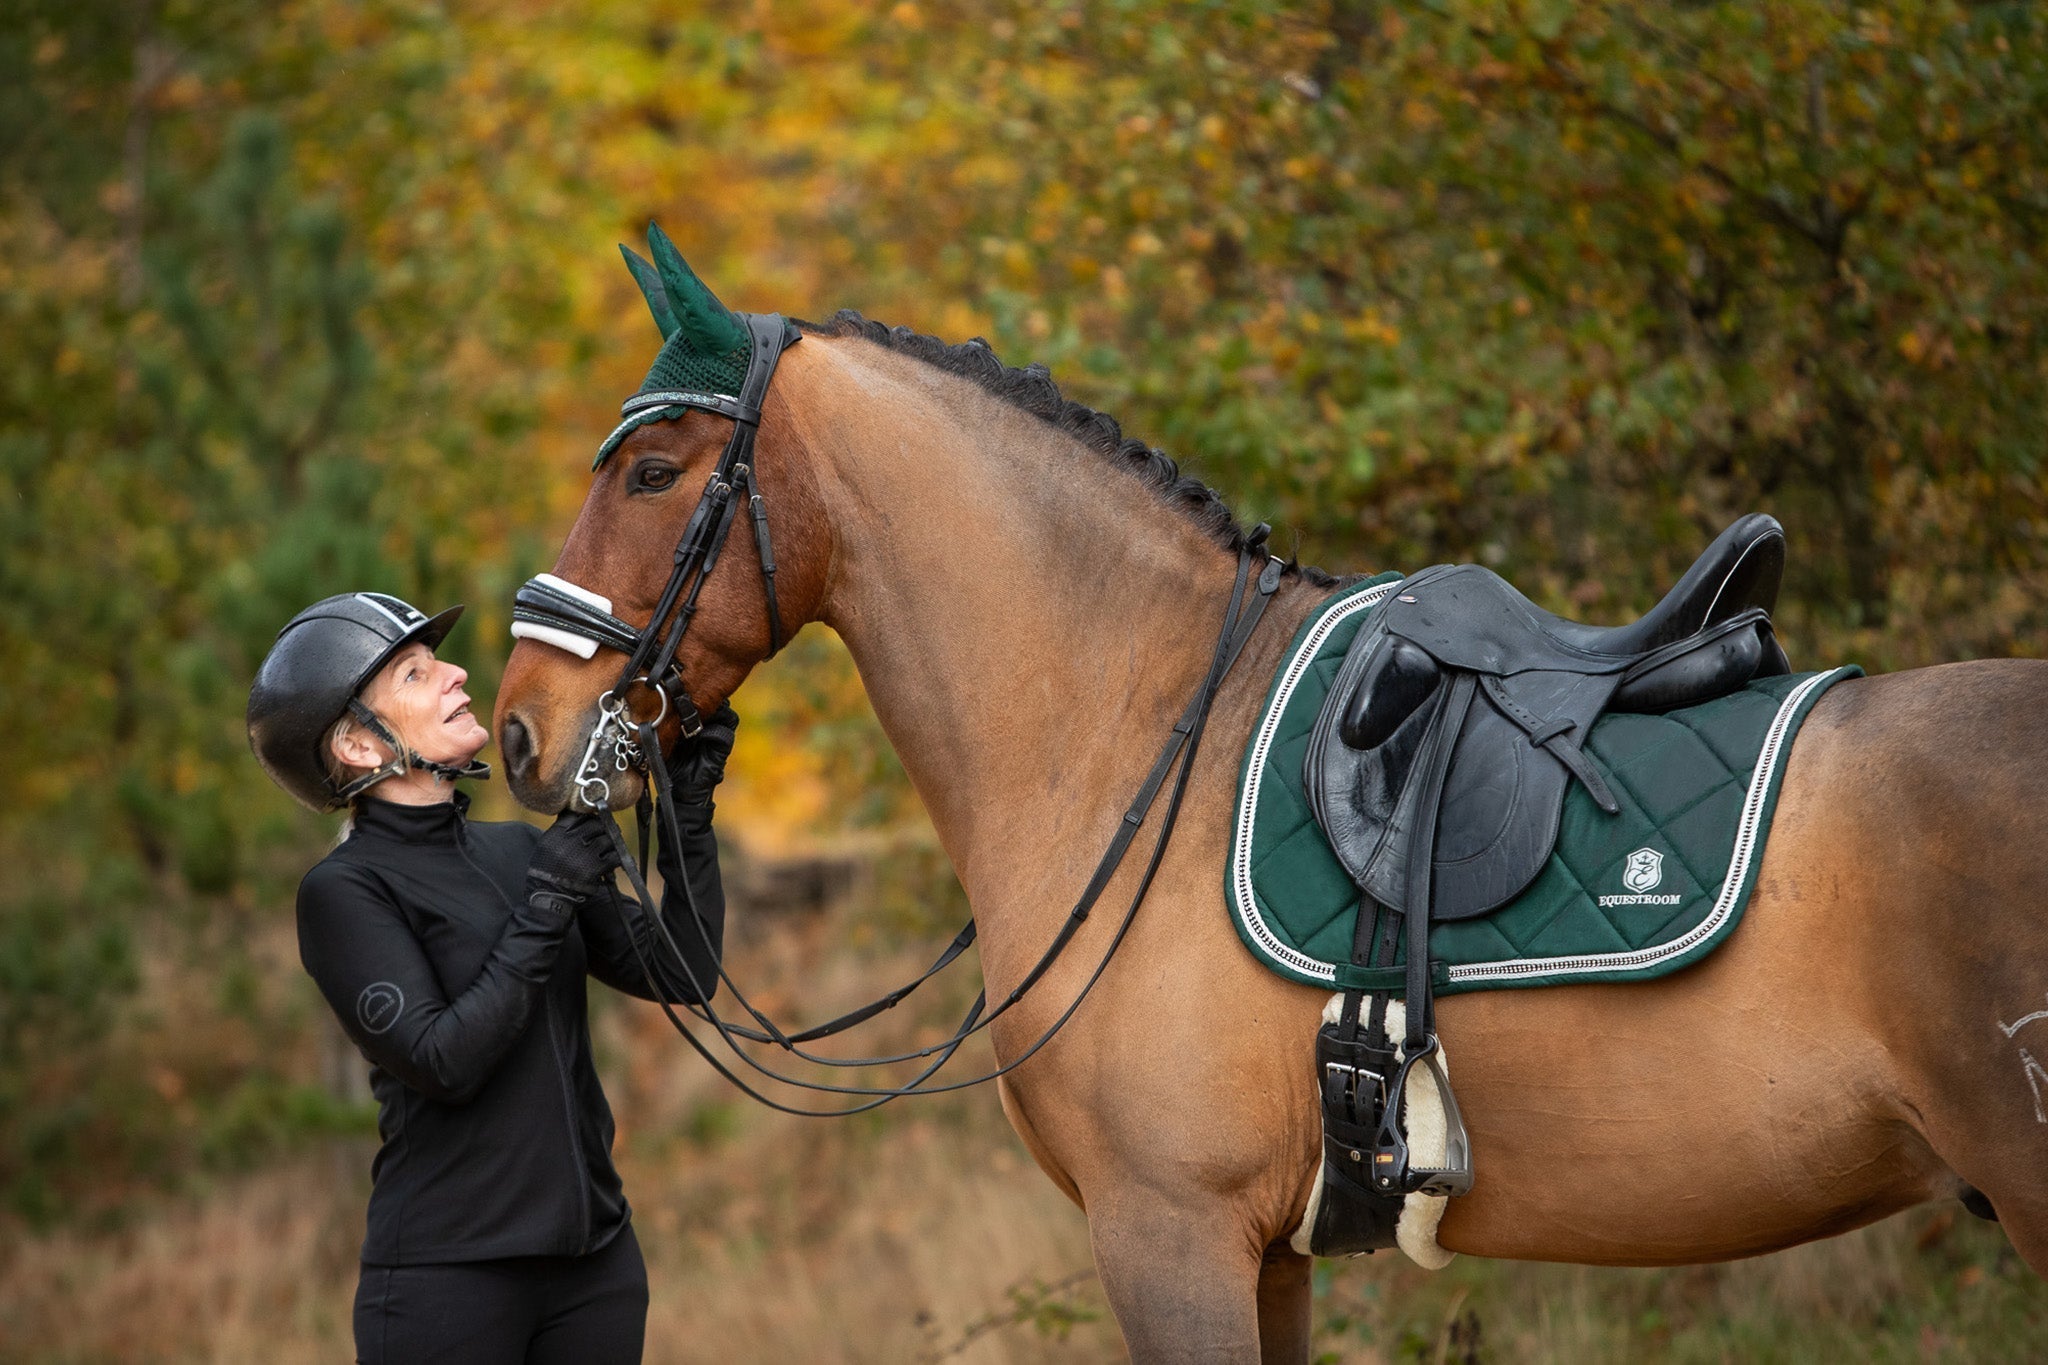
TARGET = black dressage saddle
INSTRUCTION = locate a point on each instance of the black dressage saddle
(1438, 768)
(1456, 720)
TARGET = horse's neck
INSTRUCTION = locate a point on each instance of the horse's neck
(1028, 619)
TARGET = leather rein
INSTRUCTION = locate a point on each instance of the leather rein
(555, 611)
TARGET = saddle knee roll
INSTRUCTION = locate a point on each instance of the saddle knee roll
(1400, 681)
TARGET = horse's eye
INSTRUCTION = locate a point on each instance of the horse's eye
(652, 478)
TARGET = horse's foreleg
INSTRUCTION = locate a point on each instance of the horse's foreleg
(1183, 1287)
(1284, 1299)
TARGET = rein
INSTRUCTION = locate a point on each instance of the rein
(564, 614)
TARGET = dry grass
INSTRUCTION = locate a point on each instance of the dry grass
(932, 1238)
(261, 1271)
(915, 1234)
(909, 1260)
(1926, 1285)
(920, 1233)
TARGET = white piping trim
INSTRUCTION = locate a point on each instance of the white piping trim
(670, 398)
(561, 639)
(639, 419)
(1746, 835)
(581, 594)
(1248, 798)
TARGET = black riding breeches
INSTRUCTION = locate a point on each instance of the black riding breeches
(543, 1310)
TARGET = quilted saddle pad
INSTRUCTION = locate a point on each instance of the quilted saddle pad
(1623, 897)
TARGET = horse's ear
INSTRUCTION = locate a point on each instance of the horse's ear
(709, 324)
(649, 280)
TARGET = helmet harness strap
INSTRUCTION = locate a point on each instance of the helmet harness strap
(400, 762)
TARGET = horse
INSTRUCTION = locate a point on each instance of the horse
(1030, 599)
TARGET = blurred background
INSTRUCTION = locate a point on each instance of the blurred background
(308, 296)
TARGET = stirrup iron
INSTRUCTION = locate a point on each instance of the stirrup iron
(1391, 1171)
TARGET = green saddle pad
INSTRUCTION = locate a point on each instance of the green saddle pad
(1623, 897)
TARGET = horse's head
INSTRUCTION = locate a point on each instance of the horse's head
(670, 526)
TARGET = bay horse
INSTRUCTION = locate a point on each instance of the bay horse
(1030, 600)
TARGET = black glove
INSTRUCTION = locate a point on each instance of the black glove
(698, 764)
(574, 860)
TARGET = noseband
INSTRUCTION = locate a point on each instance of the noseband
(555, 611)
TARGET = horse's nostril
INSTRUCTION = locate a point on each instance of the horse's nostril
(517, 746)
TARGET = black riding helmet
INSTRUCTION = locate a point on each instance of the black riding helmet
(323, 657)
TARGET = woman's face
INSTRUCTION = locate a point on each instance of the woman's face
(421, 698)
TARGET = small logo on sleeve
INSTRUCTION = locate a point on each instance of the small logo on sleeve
(379, 1006)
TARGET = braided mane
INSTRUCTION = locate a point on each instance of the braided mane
(1032, 390)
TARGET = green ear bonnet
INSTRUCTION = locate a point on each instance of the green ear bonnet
(705, 348)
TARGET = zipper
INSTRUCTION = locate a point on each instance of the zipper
(578, 1169)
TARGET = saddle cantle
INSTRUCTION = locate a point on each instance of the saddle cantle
(1457, 662)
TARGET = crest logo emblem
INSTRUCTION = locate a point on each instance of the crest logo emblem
(1644, 870)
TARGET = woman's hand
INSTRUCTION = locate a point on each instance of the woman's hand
(698, 765)
(574, 860)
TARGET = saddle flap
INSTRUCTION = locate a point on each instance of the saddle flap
(1500, 806)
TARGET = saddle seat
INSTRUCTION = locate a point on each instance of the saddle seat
(1742, 568)
(1457, 717)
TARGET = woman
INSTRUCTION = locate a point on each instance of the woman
(454, 955)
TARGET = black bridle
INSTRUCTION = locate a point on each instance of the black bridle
(557, 612)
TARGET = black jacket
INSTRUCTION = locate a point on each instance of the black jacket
(470, 1005)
